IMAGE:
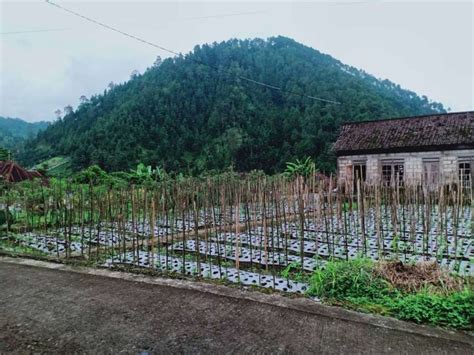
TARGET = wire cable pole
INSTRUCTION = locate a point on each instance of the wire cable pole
(256, 82)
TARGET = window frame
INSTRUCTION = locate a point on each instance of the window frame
(394, 166)
(465, 183)
(429, 180)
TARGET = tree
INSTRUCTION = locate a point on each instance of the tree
(58, 114)
(68, 110)
(157, 62)
(134, 74)
(83, 99)
(188, 116)
(4, 154)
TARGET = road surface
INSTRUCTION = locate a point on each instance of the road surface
(47, 310)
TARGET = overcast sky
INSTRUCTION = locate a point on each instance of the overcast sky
(424, 46)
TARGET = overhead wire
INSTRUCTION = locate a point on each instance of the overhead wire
(250, 80)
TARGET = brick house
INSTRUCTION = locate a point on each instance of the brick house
(432, 149)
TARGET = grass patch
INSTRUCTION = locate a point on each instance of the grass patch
(409, 293)
(56, 167)
(13, 247)
(293, 271)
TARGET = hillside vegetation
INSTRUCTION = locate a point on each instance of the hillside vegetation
(14, 132)
(192, 113)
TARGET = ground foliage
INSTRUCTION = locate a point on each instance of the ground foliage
(192, 113)
(360, 284)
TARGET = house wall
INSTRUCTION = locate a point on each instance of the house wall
(413, 164)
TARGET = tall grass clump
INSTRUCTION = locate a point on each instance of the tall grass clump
(340, 280)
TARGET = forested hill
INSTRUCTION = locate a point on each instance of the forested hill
(14, 132)
(188, 116)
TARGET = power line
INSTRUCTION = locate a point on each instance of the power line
(256, 82)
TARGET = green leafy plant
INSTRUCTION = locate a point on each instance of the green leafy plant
(293, 271)
(305, 168)
(93, 175)
(455, 310)
(145, 173)
(356, 284)
(5, 217)
(4, 154)
(343, 279)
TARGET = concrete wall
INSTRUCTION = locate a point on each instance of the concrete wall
(413, 164)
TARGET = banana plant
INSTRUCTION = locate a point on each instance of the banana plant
(305, 167)
(144, 173)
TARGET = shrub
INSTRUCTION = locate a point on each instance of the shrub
(359, 284)
(3, 217)
(346, 279)
(455, 310)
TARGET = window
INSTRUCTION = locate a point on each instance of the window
(431, 172)
(392, 172)
(465, 174)
(360, 173)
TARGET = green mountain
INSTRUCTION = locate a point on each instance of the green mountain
(194, 112)
(14, 132)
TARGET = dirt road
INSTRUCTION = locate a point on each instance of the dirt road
(45, 310)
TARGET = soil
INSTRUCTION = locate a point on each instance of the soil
(54, 311)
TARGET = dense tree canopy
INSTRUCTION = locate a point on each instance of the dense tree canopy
(14, 132)
(192, 113)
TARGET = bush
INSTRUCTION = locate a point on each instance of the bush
(3, 217)
(455, 310)
(358, 284)
(346, 279)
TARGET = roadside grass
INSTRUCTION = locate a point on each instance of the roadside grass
(427, 295)
(7, 245)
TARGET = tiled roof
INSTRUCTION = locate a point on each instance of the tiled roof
(12, 172)
(420, 133)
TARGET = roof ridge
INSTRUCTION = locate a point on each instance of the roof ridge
(448, 131)
(348, 123)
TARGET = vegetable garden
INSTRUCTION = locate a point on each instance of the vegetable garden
(255, 230)
(248, 222)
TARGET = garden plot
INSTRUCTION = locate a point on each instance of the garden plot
(48, 244)
(174, 264)
(102, 236)
(177, 224)
(57, 242)
(226, 249)
(331, 225)
(417, 243)
(409, 220)
(246, 255)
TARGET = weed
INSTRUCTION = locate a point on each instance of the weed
(293, 271)
(455, 310)
(343, 279)
(16, 248)
(359, 284)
